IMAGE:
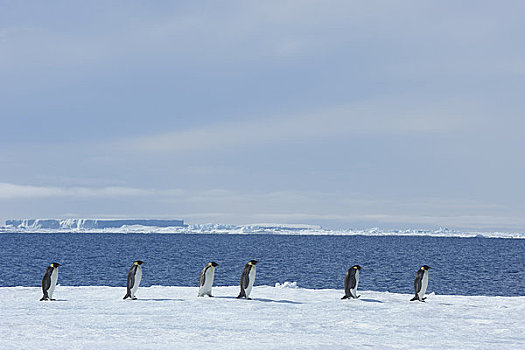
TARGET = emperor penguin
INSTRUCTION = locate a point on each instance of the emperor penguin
(206, 279)
(247, 279)
(421, 283)
(134, 277)
(49, 281)
(351, 282)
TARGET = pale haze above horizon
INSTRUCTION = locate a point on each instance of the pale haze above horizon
(344, 114)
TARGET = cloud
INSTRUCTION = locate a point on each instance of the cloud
(377, 118)
(14, 191)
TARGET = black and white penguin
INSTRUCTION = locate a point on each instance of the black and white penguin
(351, 282)
(49, 281)
(247, 279)
(134, 277)
(421, 283)
(206, 279)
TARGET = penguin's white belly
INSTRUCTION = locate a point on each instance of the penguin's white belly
(250, 282)
(354, 290)
(54, 279)
(138, 277)
(424, 285)
(208, 283)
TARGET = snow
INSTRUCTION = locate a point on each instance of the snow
(281, 317)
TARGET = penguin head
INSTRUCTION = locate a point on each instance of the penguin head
(425, 267)
(213, 263)
(55, 265)
(357, 267)
(138, 262)
(253, 262)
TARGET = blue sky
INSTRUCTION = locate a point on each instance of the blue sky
(343, 113)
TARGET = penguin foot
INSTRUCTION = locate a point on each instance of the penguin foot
(53, 299)
(134, 298)
(423, 299)
(345, 297)
(44, 299)
(358, 296)
(248, 298)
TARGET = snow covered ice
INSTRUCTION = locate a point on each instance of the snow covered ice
(281, 317)
(150, 226)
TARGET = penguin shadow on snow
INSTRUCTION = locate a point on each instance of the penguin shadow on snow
(277, 301)
(370, 300)
(260, 299)
(159, 299)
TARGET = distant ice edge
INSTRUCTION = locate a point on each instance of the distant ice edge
(77, 226)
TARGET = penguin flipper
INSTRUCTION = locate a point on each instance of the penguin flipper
(130, 282)
(245, 278)
(202, 277)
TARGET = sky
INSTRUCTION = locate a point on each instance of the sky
(345, 114)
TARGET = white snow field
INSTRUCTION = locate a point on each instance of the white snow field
(281, 317)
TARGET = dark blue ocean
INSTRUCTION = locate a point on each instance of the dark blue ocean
(460, 266)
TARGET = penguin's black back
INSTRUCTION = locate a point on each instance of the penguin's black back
(350, 280)
(131, 278)
(417, 281)
(202, 278)
(46, 280)
(245, 276)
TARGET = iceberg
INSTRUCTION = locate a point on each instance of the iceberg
(147, 226)
(67, 224)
